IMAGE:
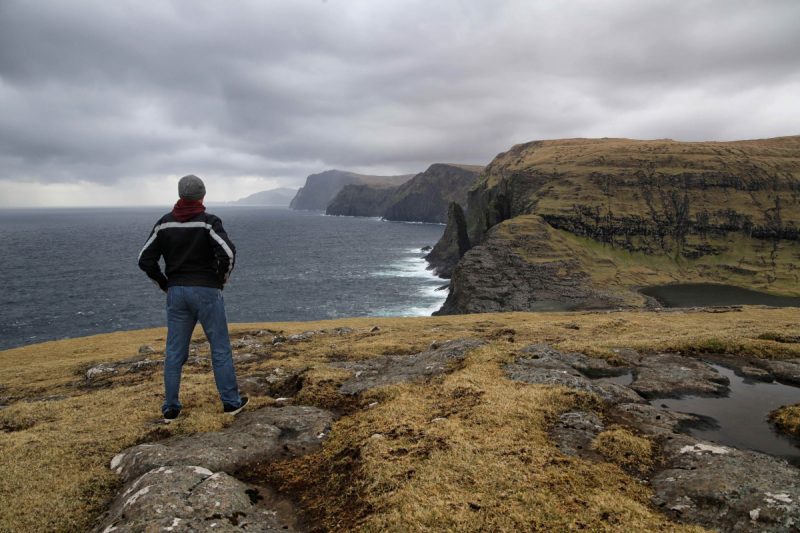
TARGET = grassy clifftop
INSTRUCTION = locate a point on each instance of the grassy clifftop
(489, 466)
(713, 212)
(616, 190)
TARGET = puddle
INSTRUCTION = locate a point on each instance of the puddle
(624, 379)
(742, 416)
(711, 294)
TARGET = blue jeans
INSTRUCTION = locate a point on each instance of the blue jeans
(185, 306)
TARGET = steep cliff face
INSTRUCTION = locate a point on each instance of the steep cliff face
(453, 244)
(722, 212)
(361, 201)
(425, 198)
(321, 188)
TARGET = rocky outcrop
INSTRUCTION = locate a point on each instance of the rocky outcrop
(725, 489)
(453, 244)
(185, 484)
(187, 499)
(269, 433)
(321, 188)
(719, 212)
(697, 482)
(670, 376)
(360, 201)
(426, 197)
(535, 269)
(390, 370)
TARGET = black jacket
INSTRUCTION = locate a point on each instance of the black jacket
(197, 252)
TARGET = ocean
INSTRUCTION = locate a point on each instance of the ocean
(69, 273)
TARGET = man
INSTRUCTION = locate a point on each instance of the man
(199, 258)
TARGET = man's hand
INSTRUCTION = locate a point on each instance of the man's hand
(224, 281)
(165, 291)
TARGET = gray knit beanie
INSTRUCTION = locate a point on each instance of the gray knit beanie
(191, 188)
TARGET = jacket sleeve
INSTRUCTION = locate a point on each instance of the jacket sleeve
(224, 250)
(148, 259)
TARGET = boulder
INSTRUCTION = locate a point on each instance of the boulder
(184, 499)
(145, 349)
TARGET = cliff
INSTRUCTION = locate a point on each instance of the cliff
(361, 201)
(648, 211)
(425, 198)
(321, 188)
(453, 244)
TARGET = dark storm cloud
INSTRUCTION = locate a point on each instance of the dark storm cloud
(103, 91)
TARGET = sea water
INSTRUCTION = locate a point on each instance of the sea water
(72, 272)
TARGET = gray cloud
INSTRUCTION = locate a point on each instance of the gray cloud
(105, 92)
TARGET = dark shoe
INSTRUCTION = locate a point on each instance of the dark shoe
(232, 409)
(171, 415)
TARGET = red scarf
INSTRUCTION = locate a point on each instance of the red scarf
(186, 209)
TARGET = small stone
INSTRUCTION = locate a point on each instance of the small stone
(374, 329)
(377, 436)
(100, 369)
(438, 420)
(282, 399)
(57, 398)
(145, 349)
(262, 333)
(373, 404)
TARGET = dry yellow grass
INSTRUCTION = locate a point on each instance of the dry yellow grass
(488, 466)
(625, 449)
(787, 420)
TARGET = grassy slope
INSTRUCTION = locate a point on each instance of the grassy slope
(617, 270)
(489, 466)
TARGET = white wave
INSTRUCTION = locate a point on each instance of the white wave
(426, 309)
(409, 268)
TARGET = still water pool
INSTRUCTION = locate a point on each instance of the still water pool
(711, 294)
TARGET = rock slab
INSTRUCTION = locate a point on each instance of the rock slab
(390, 370)
(186, 499)
(270, 433)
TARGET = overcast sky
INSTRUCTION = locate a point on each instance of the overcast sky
(110, 102)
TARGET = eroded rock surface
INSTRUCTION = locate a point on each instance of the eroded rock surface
(269, 433)
(787, 371)
(389, 370)
(725, 489)
(702, 483)
(575, 432)
(545, 354)
(670, 375)
(656, 421)
(184, 499)
(551, 367)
